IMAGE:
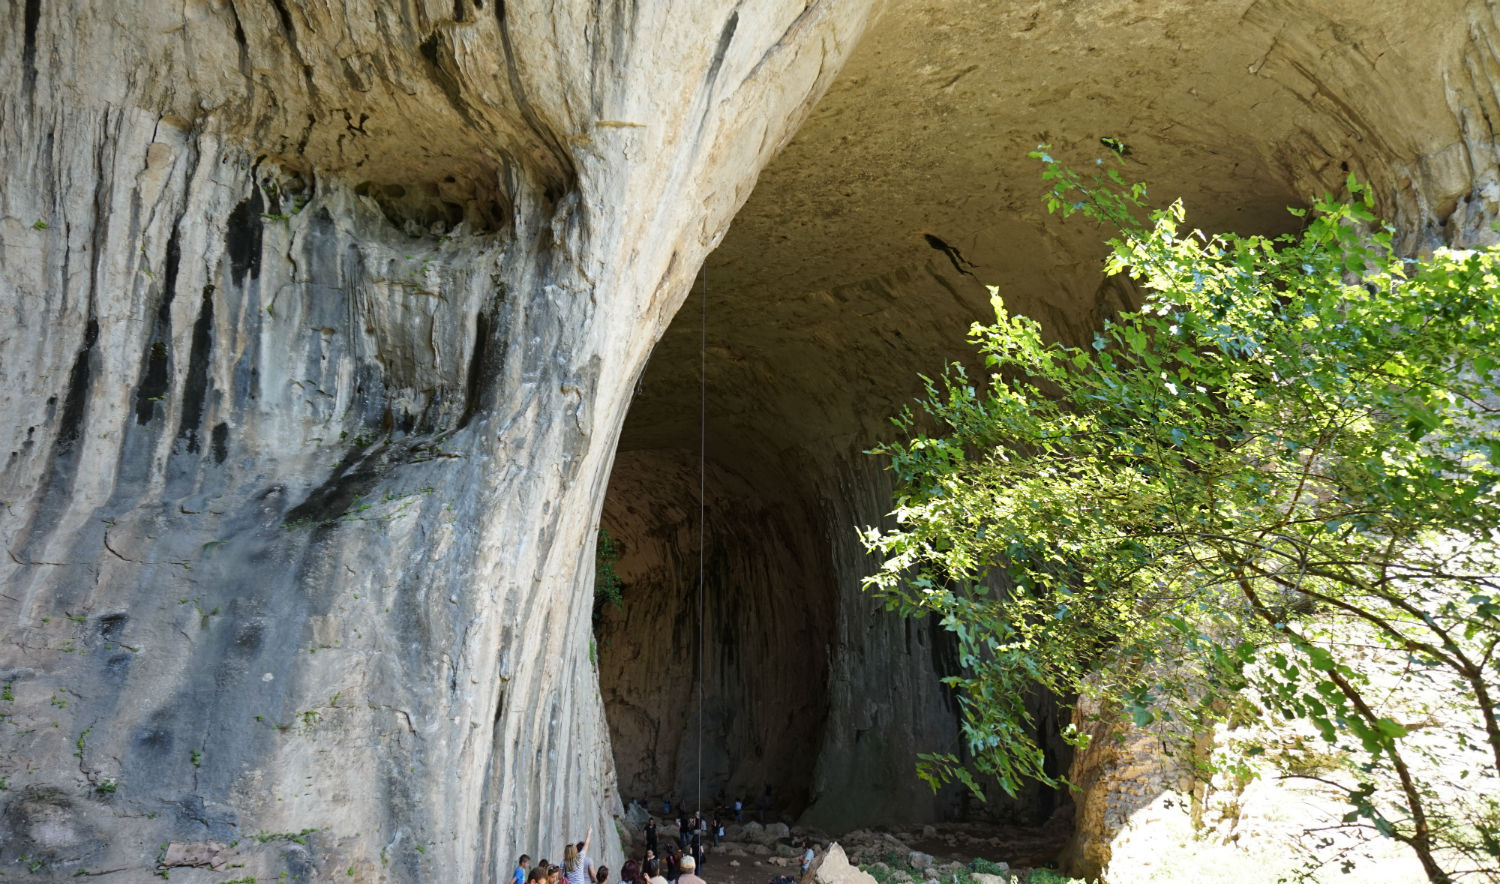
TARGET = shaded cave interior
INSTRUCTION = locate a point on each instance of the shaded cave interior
(815, 699)
(857, 265)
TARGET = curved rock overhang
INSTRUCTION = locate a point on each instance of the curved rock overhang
(862, 257)
(324, 319)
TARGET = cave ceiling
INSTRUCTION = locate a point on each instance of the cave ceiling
(828, 295)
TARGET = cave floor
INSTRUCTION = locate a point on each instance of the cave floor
(1021, 847)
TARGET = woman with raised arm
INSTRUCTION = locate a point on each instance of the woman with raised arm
(577, 867)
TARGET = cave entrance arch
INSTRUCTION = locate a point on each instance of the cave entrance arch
(857, 265)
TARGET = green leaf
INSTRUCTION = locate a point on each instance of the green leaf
(1321, 660)
(1390, 728)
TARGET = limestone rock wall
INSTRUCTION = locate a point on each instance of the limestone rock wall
(767, 635)
(322, 319)
(320, 325)
(887, 703)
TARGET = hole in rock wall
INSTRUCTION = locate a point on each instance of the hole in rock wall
(767, 631)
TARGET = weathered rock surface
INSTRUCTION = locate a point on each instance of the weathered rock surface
(321, 321)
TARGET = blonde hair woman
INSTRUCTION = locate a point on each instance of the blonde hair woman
(577, 867)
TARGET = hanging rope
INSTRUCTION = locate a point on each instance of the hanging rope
(702, 482)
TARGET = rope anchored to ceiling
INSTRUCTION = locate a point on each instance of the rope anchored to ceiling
(702, 508)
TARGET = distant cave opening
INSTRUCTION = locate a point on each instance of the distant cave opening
(767, 636)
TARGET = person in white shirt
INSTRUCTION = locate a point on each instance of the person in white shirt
(577, 867)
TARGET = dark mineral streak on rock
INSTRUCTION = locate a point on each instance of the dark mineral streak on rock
(157, 358)
(30, 18)
(75, 402)
(196, 384)
(372, 523)
(245, 228)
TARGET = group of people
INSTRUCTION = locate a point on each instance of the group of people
(576, 867)
(687, 855)
(675, 867)
(723, 807)
(676, 864)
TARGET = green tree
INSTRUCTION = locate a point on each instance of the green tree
(607, 585)
(1274, 485)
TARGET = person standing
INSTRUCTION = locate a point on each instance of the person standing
(689, 872)
(807, 857)
(523, 866)
(653, 872)
(577, 866)
(717, 828)
(697, 850)
(651, 834)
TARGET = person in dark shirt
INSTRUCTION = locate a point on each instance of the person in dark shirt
(651, 834)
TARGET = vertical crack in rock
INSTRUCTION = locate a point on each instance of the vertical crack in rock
(156, 372)
(561, 179)
(75, 402)
(485, 360)
(31, 17)
(195, 388)
(720, 50)
(56, 482)
(452, 89)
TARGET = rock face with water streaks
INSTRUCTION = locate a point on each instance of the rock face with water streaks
(321, 322)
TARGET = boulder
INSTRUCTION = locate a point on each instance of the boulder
(919, 860)
(637, 814)
(985, 878)
(833, 868)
